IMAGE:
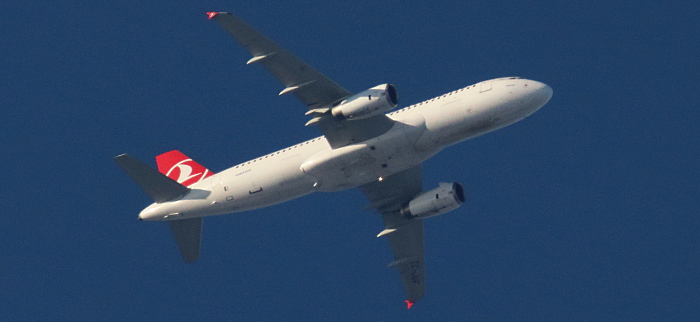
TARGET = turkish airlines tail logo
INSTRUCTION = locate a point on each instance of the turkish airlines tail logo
(180, 168)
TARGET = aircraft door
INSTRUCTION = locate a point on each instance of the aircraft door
(485, 86)
(215, 180)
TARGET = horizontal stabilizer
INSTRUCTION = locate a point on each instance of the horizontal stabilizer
(158, 186)
(188, 235)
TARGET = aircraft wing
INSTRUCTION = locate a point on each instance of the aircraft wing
(405, 234)
(311, 87)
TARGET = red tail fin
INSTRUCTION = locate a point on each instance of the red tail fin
(180, 168)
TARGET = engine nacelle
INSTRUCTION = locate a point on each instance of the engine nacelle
(443, 199)
(376, 100)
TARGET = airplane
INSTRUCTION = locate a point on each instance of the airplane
(363, 145)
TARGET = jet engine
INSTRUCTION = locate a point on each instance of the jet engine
(376, 100)
(443, 199)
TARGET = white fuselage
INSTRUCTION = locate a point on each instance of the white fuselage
(420, 131)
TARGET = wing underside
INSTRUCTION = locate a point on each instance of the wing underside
(405, 234)
(311, 87)
(319, 92)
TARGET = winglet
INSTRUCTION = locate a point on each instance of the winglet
(409, 304)
(212, 14)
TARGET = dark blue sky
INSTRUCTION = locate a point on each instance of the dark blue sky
(587, 210)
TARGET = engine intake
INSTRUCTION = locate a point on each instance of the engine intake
(445, 198)
(376, 100)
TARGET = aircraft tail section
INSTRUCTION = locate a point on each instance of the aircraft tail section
(162, 187)
(181, 168)
(187, 232)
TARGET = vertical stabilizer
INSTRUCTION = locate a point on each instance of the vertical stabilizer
(181, 168)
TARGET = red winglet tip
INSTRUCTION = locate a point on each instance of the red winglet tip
(212, 14)
(408, 304)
